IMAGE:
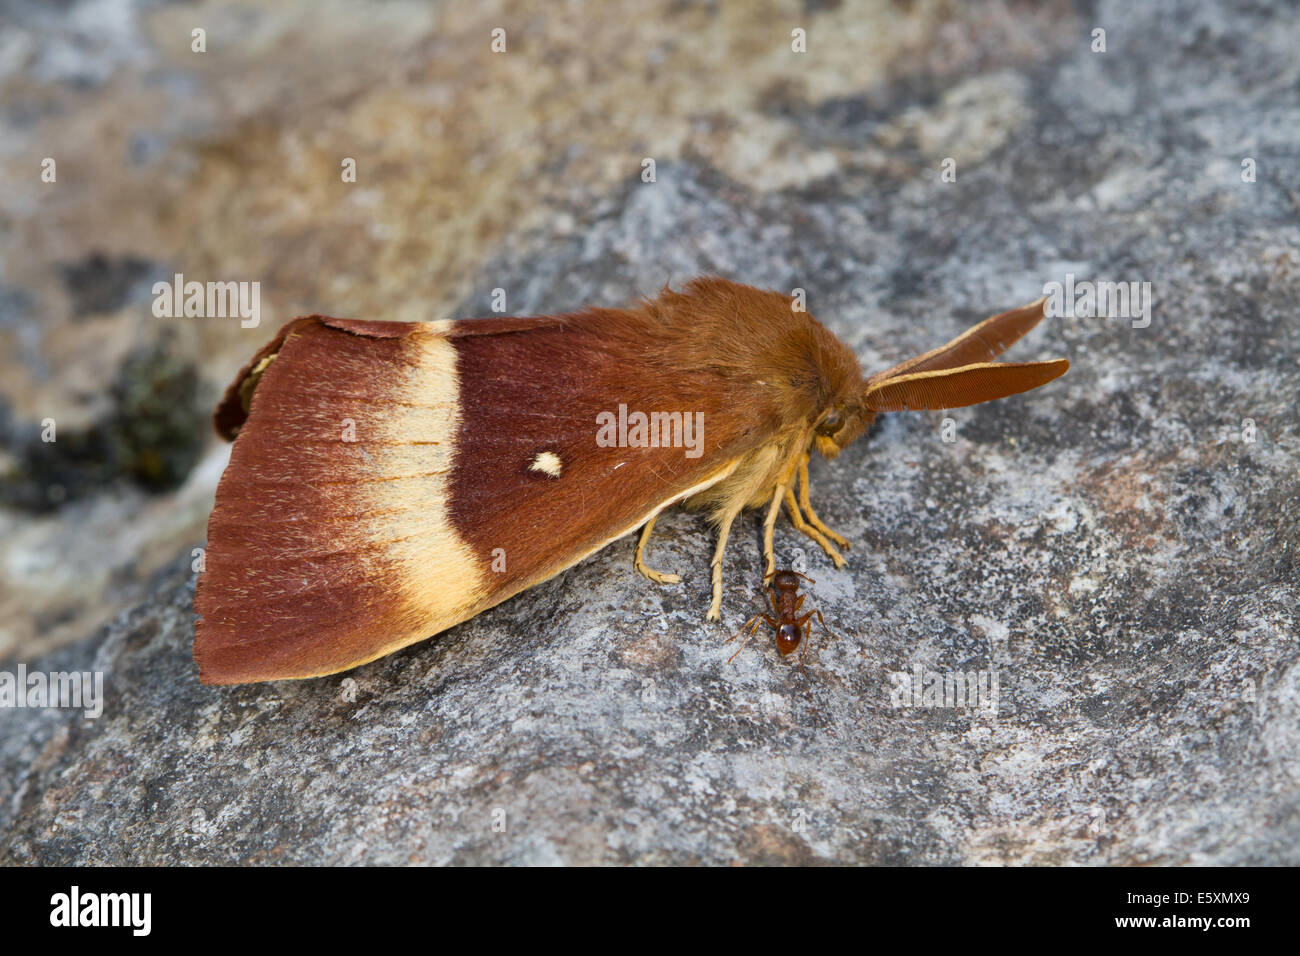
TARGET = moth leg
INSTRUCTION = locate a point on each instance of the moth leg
(724, 531)
(659, 577)
(768, 526)
(806, 505)
(793, 507)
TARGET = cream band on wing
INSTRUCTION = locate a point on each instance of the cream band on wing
(438, 575)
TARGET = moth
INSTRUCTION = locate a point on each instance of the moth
(391, 479)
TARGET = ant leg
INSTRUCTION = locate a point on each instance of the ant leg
(752, 631)
(659, 577)
(807, 636)
(806, 505)
(822, 622)
(751, 621)
(803, 622)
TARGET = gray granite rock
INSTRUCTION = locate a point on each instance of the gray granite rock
(1113, 547)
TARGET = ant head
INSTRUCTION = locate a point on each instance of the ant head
(787, 580)
(788, 636)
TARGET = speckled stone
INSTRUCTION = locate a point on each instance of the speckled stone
(1112, 546)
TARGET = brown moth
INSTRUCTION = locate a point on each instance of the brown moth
(391, 479)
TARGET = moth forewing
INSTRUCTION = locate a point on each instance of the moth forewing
(383, 485)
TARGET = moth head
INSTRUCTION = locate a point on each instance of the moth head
(839, 424)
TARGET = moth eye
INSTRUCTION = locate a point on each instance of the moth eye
(830, 423)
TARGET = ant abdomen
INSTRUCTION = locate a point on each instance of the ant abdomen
(788, 636)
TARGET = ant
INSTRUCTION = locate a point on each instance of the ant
(783, 589)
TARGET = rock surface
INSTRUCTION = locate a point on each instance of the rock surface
(1119, 548)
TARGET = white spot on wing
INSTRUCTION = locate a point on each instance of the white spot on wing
(548, 463)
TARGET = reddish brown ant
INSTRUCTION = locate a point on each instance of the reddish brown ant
(783, 589)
